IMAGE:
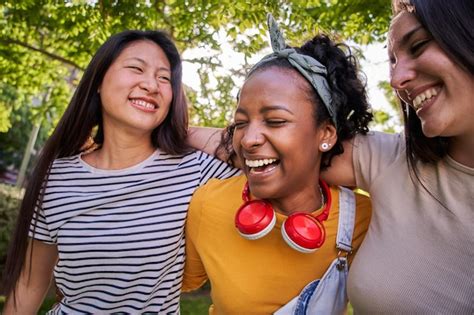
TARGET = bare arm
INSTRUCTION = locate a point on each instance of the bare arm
(34, 282)
(341, 171)
(205, 139)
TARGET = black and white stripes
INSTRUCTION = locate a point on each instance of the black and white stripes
(120, 233)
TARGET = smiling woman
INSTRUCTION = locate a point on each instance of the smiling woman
(421, 181)
(108, 218)
(278, 234)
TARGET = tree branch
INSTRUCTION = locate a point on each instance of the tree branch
(42, 51)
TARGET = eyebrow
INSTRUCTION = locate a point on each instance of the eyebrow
(408, 35)
(267, 109)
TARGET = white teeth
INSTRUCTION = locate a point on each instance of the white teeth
(418, 101)
(143, 104)
(258, 163)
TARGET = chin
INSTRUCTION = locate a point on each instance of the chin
(261, 191)
(429, 130)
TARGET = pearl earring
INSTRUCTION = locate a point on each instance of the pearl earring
(325, 146)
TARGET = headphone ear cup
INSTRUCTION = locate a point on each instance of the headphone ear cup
(255, 219)
(303, 232)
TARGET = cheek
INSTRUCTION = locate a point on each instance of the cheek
(168, 94)
(107, 99)
(236, 141)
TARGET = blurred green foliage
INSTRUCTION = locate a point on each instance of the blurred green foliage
(10, 198)
(47, 44)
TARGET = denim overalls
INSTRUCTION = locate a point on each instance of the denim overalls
(328, 294)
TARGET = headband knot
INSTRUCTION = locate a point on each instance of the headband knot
(310, 68)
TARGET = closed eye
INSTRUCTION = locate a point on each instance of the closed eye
(164, 78)
(275, 122)
(416, 47)
(240, 124)
(135, 68)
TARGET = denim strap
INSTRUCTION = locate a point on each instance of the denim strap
(346, 219)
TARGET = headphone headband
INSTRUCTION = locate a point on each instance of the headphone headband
(326, 194)
(301, 231)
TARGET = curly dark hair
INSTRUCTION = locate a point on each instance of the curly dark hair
(348, 93)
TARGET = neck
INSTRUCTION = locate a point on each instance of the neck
(307, 201)
(461, 149)
(119, 152)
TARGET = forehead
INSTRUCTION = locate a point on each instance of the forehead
(276, 87)
(275, 81)
(145, 50)
(403, 25)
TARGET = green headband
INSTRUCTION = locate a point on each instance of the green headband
(309, 67)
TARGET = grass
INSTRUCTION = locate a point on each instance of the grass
(195, 304)
(190, 304)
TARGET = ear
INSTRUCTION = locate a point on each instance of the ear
(327, 137)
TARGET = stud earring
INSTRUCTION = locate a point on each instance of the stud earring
(325, 146)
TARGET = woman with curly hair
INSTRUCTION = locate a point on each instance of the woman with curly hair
(278, 239)
(417, 257)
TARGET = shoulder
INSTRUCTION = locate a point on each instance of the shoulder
(216, 197)
(362, 202)
(66, 165)
(201, 158)
(201, 155)
(222, 188)
(67, 161)
(361, 198)
(380, 142)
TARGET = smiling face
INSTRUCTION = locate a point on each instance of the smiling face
(136, 91)
(423, 75)
(276, 137)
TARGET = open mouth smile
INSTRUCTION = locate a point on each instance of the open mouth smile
(141, 104)
(261, 165)
(423, 98)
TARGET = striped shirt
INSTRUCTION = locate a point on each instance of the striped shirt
(119, 233)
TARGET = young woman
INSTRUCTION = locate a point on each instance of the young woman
(417, 257)
(108, 219)
(277, 239)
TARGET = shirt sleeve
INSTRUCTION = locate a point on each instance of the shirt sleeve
(373, 153)
(212, 167)
(39, 229)
(194, 272)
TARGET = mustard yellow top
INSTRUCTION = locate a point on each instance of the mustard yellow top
(259, 276)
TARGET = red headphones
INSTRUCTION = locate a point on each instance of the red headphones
(301, 231)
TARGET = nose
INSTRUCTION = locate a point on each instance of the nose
(149, 84)
(402, 73)
(252, 137)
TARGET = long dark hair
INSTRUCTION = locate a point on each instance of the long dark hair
(347, 91)
(451, 24)
(75, 128)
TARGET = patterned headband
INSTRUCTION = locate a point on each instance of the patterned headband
(309, 67)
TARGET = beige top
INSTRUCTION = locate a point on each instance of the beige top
(417, 257)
